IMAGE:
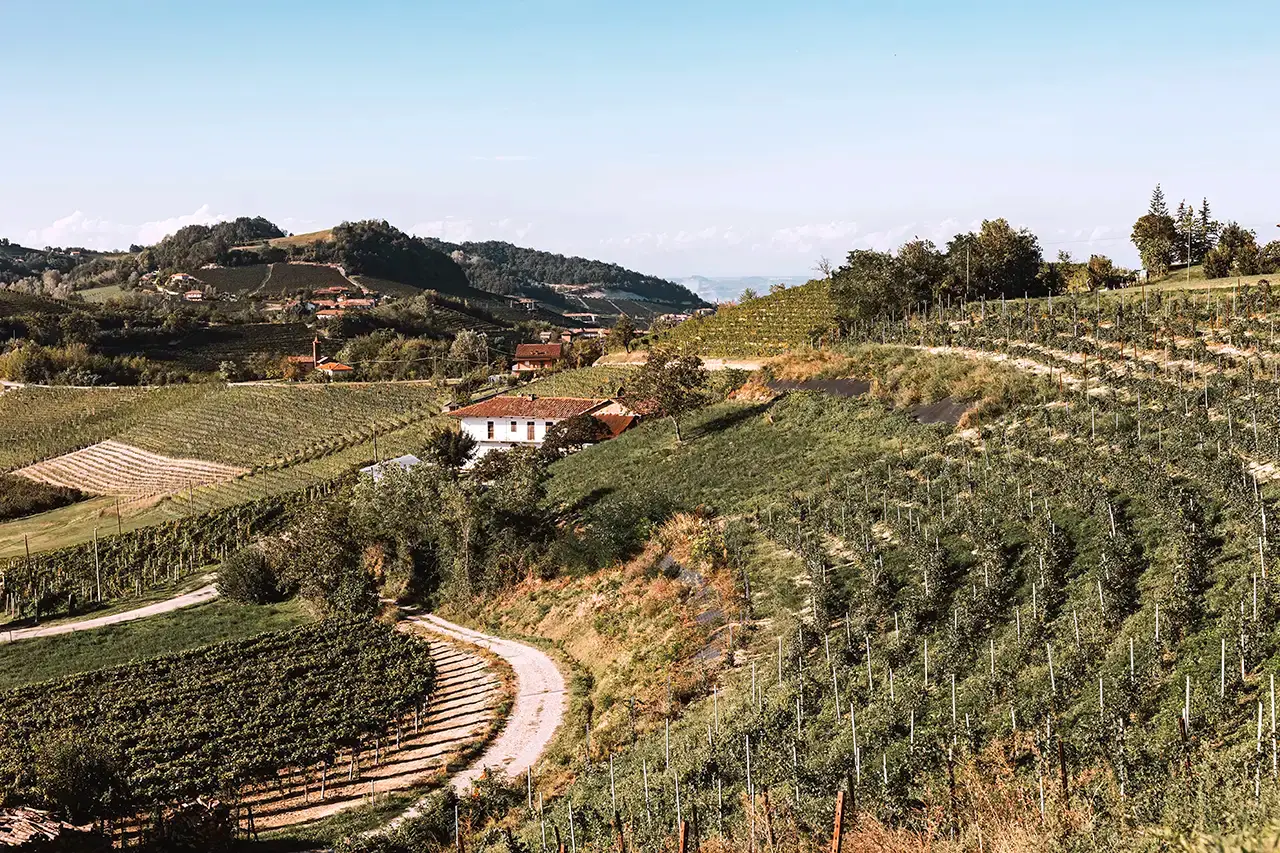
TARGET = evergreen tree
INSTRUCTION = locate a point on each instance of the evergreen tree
(1184, 222)
(1206, 233)
(1158, 205)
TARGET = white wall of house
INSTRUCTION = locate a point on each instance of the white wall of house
(503, 433)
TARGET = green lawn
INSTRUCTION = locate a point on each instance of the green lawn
(47, 658)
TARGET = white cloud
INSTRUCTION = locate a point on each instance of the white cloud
(79, 229)
(804, 238)
(153, 232)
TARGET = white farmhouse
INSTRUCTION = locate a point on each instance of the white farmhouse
(501, 423)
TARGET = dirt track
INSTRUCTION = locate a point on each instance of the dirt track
(199, 596)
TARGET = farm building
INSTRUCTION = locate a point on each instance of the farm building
(531, 357)
(501, 423)
(404, 463)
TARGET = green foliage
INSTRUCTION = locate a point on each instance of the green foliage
(789, 319)
(207, 721)
(248, 578)
(376, 248)
(503, 268)
(20, 496)
(323, 562)
(997, 261)
(668, 385)
(78, 777)
(571, 435)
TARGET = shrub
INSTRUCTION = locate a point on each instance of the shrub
(248, 578)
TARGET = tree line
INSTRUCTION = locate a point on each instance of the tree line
(1188, 236)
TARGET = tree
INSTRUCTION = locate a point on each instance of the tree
(871, 284)
(1158, 206)
(1155, 238)
(997, 261)
(922, 269)
(824, 266)
(572, 434)
(469, 351)
(1269, 258)
(248, 578)
(1217, 263)
(747, 296)
(79, 777)
(668, 385)
(623, 332)
(1205, 236)
(451, 449)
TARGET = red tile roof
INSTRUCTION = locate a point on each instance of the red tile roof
(617, 424)
(549, 408)
(335, 366)
(535, 351)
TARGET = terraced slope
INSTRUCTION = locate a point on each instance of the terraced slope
(113, 468)
(270, 426)
(770, 325)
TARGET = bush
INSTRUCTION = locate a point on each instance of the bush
(248, 578)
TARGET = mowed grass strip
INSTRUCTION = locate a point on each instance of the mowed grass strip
(45, 658)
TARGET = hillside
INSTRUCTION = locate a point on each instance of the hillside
(792, 318)
(504, 268)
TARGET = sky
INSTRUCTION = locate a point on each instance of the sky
(677, 138)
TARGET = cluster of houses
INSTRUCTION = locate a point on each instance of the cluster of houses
(329, 303)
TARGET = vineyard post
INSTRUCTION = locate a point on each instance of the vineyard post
(837, 830)
(97, 568)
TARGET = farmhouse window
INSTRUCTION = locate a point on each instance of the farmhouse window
(490, 429)
(530, 434)
(513, 427)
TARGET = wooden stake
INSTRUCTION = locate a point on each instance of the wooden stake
(838, 829)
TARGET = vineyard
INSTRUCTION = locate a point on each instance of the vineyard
(294, 277)
(274, 426)
(596, 382)
(39, 423)
(794, 318)
(218, 718)
(122, 565)
(112, 468)
(238, 280)
(1055, 623)
(206, 349)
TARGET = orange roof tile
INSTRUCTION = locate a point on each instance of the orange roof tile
(552, 408)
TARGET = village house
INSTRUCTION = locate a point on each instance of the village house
(501, 423)
(535, 357)
(302, 366)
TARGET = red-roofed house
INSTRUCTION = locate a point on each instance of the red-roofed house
(335, 369)
(535, 357)
(501, 423)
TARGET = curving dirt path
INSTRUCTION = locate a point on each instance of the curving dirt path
(198, 596)
(538, 710)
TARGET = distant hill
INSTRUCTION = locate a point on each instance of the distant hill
(505, 268)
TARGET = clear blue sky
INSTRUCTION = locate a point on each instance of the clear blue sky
(717, 138)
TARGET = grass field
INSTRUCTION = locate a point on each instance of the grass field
(47, 658)
(99, 295)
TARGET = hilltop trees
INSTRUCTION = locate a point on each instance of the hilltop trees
(998, 260)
